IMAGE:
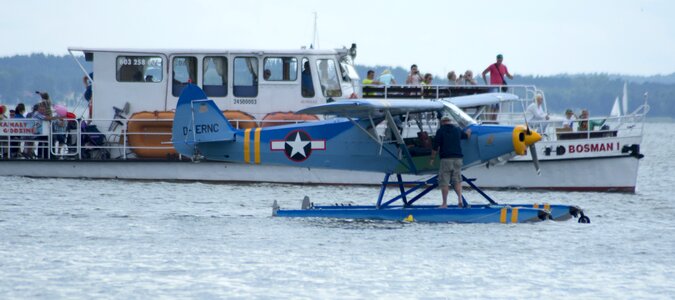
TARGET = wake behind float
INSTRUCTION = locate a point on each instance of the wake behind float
(406, 211)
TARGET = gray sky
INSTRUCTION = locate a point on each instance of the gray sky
(536, 37)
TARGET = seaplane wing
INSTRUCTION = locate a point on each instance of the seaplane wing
(372, 108)
(482, 99)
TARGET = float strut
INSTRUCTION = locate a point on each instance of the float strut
(383, 188)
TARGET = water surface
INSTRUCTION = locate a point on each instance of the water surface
(66, 238)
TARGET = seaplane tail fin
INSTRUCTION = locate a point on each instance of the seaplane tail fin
(198, 120)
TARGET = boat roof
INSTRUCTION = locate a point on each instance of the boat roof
(169, 51)
(482, 99)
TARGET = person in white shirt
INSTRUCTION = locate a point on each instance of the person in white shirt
(535, 113)
(569, 119)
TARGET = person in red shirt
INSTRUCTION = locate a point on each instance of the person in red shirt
(497, 72)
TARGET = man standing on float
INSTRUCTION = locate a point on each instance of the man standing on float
(447, 144)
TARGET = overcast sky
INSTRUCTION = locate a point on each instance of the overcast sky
(537, 37)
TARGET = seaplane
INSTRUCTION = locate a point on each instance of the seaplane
(391, 137)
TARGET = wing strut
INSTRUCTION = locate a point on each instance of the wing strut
(399, 140)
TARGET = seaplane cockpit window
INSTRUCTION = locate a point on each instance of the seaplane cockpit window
(184, 71)
(328, 77)
(214, 76)
(460, 117)
(139, 69)
(245, 77)
(280, 69)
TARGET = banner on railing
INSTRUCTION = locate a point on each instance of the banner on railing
(22, 127)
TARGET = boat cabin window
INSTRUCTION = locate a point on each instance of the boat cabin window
(349, 74)
(214, 76)
(139, 69)
(307, 86)
(280, 69)
(330, 86)
(245, 77)
(184, 71)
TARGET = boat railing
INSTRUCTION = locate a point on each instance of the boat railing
(524, 92)
(596, 127)
(99, 139)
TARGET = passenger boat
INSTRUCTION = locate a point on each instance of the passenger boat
(124, 131)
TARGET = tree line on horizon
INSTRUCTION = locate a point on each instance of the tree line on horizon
(22, 75)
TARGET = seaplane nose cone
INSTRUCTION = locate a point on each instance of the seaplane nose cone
(532, 137)
(522, 138)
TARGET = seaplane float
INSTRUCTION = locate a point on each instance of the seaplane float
(366, 135)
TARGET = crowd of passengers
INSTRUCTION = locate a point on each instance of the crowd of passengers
(498, 71)
(534, 113)
(34, 146)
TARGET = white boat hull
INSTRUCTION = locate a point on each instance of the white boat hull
(184, 171)
(610, 173)
(604, 174)
(598, 164)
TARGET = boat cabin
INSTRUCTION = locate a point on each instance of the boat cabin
(256, 82)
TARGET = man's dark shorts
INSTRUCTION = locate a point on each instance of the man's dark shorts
(450, 171)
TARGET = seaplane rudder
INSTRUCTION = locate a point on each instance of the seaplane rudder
(198, 120)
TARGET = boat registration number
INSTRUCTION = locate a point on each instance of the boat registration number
(245, 101)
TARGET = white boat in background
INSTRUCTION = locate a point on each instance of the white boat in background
(124, 131)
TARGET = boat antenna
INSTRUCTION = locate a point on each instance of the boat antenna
(315, 35)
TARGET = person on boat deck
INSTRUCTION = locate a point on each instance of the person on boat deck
(468, 78)
(32, 112)
(47, 102)
(428, 78)
(585, 124)
(387, 78)
(19, 111)
(535, 111)
(267, 74)
(569, 119)
(3, 109)
(452, 78)
(306, 81)
(370, 80)
(41, 114)
(447, 145)
(414, 77)
(497, 72)
(536, 115)
(86, 80)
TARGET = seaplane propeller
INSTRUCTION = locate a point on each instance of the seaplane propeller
(533, 148)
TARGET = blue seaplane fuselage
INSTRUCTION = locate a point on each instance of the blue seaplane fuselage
(364, 135)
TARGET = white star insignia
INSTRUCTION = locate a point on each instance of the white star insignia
(298, 145)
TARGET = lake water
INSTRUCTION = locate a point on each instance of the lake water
(63, 238)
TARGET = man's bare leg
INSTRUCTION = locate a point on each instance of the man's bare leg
(444, 192)
(458, 191)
